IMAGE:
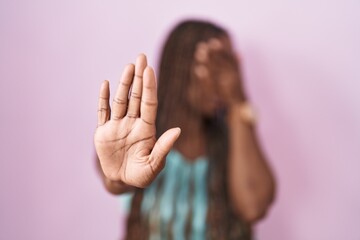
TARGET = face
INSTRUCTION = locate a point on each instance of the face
(203, 96)
(204, 92)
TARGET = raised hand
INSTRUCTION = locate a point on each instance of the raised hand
(125, 139)
(216, 60)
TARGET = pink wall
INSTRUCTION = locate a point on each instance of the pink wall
(301, 66)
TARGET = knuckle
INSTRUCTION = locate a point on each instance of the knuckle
(136, 95)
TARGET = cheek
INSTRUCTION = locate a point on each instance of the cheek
(197, 99)
(202, 96)
(193, 96)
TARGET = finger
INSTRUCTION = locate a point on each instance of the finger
(201, 71)
(201, 52)
(215, 44)
(136, 90)
(162, 148)
(149, 97)
(120, 100)
(103, 103)
(222, 56)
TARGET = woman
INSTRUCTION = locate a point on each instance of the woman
(216, 182)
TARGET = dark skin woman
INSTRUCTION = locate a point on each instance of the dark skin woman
(198, 108)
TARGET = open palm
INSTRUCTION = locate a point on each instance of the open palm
(125, 139)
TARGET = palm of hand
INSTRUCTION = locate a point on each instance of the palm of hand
(126, 144)
(124, 147)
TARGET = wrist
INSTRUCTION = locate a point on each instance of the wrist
(110, 182)
(241, 112)
(116, 187)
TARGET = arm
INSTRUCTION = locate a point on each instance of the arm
(251, 183)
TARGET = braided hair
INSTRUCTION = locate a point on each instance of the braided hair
(173, 81)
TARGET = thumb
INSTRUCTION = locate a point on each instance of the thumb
(162, 147)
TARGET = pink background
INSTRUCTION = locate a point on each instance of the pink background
(301, 66)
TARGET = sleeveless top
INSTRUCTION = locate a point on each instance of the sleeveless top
(175, 204)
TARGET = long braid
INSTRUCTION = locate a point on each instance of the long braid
(136, 224)
(223, 222)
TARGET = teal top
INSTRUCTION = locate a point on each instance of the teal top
(176, 202)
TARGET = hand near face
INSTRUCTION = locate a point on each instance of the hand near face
(125, 139)
(215, 61)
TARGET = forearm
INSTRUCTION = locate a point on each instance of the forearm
(251, 183)
(114, 187)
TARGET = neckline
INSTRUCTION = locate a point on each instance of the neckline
(191, 162)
